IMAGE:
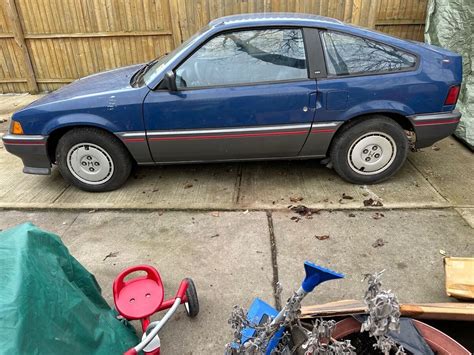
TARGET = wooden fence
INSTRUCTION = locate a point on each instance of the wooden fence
(48, 43)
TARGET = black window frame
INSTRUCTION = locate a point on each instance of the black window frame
(384, 72)
(242, 29)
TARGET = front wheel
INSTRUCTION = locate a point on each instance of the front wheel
(93, 160)
(369, 151)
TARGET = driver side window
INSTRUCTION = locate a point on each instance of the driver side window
(245, 57)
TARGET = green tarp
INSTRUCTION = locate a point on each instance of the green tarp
(450, 24)
(49, 303)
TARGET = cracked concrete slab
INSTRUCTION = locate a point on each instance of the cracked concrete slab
(272, 184)
(409, 245)
(23, 190)
(449, 167)
(467, 214)
(228, 257)
(206, 186)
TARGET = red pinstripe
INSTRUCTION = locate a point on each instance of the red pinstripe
(430, 123)
(224, 136)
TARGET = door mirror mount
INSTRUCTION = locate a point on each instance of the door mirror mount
(170, 81)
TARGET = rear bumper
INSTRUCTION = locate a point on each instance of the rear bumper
(430, 128)
(32, 150)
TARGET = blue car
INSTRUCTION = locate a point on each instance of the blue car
(249, 87)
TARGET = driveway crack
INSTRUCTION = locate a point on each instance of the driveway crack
(428, 180)
(273, 248)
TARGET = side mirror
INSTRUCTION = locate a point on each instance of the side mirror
(170, 81)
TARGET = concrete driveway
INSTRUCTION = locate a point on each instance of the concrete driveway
(232, 230)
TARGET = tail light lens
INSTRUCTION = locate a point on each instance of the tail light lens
(453, 94)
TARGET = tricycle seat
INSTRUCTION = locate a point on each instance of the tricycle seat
(138, 297)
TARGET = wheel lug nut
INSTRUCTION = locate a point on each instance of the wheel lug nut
(367, 159)
(83, 163)
(89, 157)
(365, 151)
(374, 147)
(96, 163)
(377, 155)
(91, 169)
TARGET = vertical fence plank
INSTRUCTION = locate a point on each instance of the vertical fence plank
(52, 42)
(20, 40)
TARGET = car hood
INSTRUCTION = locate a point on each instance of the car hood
(97, 84)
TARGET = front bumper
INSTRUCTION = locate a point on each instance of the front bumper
(430, 128)
(32, 150)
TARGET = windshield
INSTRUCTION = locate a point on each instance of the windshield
(151, 72)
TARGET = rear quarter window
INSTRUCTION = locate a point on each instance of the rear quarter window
(351, 55)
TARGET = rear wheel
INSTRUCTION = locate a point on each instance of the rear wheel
(369, 151)
(93, 160)
(192, 305)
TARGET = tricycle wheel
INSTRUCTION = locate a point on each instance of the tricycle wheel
(192, 305)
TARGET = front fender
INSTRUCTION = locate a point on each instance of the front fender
(79, 119)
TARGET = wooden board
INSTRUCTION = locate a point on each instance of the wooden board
(441, 311)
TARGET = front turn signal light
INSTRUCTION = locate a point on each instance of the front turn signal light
(16, 128)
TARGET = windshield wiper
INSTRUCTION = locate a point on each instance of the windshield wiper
(139, 74)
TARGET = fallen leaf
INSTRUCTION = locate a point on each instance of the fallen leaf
(215, 214)
(296, 198)
(435, 147)
(296, 219)
(347, 197)
(372, 203)
(303, 210)
(442, 252)
(91, 211)
(111, 255)
(377, 215)
(322, 237)
(188, 186)
(245, 212)
(352, 215)
(215, 235)
(379, 243)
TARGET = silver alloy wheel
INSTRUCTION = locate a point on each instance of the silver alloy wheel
(90, 163)
(372, 153)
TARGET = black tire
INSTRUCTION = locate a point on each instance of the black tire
(192, 306)
(351, 138)
(117, 166)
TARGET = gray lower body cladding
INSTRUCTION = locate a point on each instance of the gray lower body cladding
(32, 150)
(430, 128)
(295, 141)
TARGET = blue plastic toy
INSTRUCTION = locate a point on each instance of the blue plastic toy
(261, 312)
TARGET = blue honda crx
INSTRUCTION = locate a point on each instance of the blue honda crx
(249, 87)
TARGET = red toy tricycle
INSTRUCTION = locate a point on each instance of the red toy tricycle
(140, 297)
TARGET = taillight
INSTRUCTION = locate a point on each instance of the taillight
(452, 97)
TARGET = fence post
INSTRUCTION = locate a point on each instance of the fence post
(175, 22)
(20, 40)
(373, 13)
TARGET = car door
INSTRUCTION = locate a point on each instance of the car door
(241, 95)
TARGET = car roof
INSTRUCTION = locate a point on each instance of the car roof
(274, 18)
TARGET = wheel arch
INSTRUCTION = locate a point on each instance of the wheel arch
(55, 135)
(400, 119)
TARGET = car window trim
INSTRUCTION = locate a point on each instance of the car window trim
(329, 76)
(241, 84)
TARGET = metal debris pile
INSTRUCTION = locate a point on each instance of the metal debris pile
(320, 340)
(384, 315)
